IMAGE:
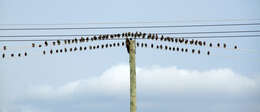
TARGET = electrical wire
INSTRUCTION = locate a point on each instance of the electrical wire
(148, 22)
(131, 27)
(160, 33)
(187, 37)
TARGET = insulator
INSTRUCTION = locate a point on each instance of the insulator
(58, 42)
(193, 50)
(218, 44)
(235, 47)
(71, 49)
(65, 50)
(151, 45)
(57, 51)
(165, 47)
(162, 38)
(210, 44)
(204, 43)
(177, 49)
(208, 53)
(191, 41)
(110, 45)
(75, 49)
(80, 48)
(114, 44)
(51, 51)
(3, 55)
(53, 43)
(142, 44)
(25, 54)
(12, 55)
(182, 49)
(198, 51)
(4, 47)
(161, 46)
(44, 52)
(40, 45)
(118, 44)
(46, 43)
(173, 48)
(186, 50)
(123, 43)
(68, 41)
(200, 43)
(33, 45)
(224, 45)
(170, 48)
(19, 54)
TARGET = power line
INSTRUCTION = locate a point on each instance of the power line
(161, 33)
(148, 22)
(192, 37)
(133, 27)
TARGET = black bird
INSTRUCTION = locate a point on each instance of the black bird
(46, 43)
(127, 44)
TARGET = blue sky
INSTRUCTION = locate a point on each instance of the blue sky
(95, 81)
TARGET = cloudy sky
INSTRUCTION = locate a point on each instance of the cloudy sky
(96, 81)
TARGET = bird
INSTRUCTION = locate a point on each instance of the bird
(12, 55)
(208, 53)
(127, 44)
(224, 45)
(44, 52)
(4, 47)
(25, 54)
(46, 43)
(3, 55)
(33, 44)
(51, 51)
(235, 47)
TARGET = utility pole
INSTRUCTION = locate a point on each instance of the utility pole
(130, 44)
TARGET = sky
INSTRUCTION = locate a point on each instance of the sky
(95, 81)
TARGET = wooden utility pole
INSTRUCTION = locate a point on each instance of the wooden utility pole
(130, 44)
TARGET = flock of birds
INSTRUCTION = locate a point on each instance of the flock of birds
(122, 36)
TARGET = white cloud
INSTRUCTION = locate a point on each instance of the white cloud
(151, 80)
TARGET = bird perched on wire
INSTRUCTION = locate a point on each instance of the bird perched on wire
(127, 44)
